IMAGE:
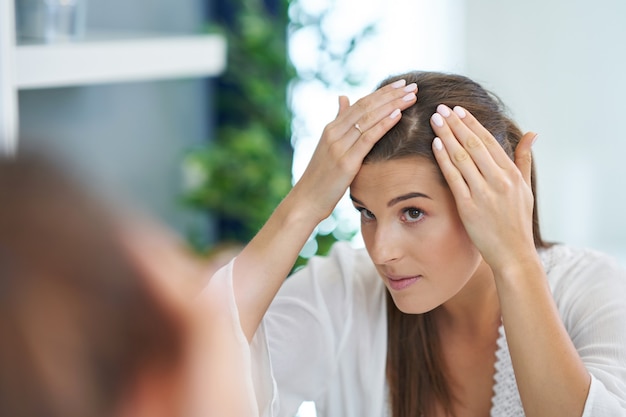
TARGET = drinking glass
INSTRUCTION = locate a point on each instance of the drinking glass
(50, 20)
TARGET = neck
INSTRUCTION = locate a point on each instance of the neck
(475, 310)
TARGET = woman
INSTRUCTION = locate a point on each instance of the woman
(457, 306)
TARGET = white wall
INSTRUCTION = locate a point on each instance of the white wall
(561, 67)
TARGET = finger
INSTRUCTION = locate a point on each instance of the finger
(463, 155)
(490, 143)
(344, 103)
(371, 119)
(391, 102)
(523, 155)
(486, 152)
(374, 124)
(369, 138)
(453, 176)
(369, 110)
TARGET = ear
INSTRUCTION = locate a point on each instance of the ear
(523, 155)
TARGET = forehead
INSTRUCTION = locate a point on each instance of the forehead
(392, 176)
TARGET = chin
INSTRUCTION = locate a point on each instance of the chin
(409, 305)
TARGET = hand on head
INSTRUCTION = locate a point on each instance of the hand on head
(493, 193)
(346, 140)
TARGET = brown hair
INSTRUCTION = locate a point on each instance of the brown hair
(416, 371)
(77, 319)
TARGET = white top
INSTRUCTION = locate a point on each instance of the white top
(325, 336)
(221, 381)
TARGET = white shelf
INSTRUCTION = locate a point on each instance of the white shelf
(97, 58)
(105, 58)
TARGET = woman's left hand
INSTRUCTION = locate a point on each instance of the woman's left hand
(493, 193)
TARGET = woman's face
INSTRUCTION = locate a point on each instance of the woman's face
(413, 233)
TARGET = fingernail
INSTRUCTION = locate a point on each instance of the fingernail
(410, 87)
(438, 145)
(534, 139)
(394, 114)
(443, 110)
(459, 111)
(409, 97)
(437, 119)
(398, 84)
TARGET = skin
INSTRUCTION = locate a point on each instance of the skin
(420, 236)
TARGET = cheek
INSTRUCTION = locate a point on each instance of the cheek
(449, 263)
(453, 260)
(452, 246)
(454, 239)
(447, 255)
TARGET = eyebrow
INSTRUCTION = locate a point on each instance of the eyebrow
(398, 199)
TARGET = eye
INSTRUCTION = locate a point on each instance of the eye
(366, 215)
(412, 215)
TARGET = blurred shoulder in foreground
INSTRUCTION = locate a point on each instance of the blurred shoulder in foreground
(94, 303)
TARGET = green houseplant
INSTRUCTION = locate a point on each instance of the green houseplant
(243, 173)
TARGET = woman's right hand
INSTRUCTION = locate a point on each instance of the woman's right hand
(346, 141)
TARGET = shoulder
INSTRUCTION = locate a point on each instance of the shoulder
(342, 256)
(584, 280)
(567, 265)
(344, 271)
(343, 263)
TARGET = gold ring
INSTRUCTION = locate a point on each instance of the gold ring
(357, 127)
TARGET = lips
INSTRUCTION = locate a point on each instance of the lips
(397, 283)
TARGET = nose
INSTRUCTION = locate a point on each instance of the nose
(385, 245)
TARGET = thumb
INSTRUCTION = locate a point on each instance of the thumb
(523, 155)
(344, 103)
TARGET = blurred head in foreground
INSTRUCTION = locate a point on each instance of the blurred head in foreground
(84, 329)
